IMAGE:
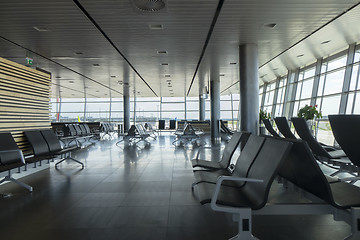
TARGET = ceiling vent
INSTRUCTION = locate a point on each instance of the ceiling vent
(149, 6)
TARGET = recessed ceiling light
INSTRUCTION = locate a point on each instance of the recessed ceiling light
(71, 81)
(154, 26)
(96, 65)
(162, 52)
(164, 64)
(270, 25)
(41, 29)
(325, 42)
(167, 75)
(233, 63)
(301, 55)
(63, 58)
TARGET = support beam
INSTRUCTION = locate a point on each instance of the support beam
(249, 88)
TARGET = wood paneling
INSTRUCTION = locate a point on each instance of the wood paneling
(24, 100)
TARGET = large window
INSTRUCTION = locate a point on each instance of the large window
(304, 88)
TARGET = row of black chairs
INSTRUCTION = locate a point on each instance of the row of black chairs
(243, 189)
(80, 133)
(45, 146)
(138, 133)
(346, 130)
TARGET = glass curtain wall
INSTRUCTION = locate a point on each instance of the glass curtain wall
(147, 109)
(327, 90)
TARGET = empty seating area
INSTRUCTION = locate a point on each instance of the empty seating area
(180, 120)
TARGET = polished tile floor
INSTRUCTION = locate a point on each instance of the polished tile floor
(130, 193)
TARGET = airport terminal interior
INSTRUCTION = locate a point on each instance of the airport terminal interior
(180, 119)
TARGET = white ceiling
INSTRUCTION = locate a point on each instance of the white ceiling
(301, 27)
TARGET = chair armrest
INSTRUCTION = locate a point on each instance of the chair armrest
(203, 147)
(351, 179)
(214, 198)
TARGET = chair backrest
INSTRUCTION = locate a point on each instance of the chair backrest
(301, 168)
(87, 129)
(37, 142)
(132, 131)
(270, 128)
(346, 129)
(51, 140)
(231, 146)
(303, 131)
(283, 126)
(83, 130)
(266, 166)
(77, 129)
(172, 124)
(72, 130)
(224, 128)
(7, 142)
(140, 129)
(161, 124)
(248, 155)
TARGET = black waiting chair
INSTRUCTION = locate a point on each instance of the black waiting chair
(270, 128)
(346, 130)
(231, 146)
(39, 147)
(251, 192)
(47, 146)
(283, 126)
(186, 134)
(329, 155)
(224, 128)
(172, 124)
(11, 157)
(242, 165)
(55, 148)
(161, 125)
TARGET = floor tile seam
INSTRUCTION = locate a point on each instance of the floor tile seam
(171, 187)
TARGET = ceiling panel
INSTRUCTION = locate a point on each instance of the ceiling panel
(83, 62)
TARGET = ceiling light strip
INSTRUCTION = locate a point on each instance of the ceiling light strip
(83, 10)
(27, 49)
(217, 13)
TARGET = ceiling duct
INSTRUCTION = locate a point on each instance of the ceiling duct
(150, 6)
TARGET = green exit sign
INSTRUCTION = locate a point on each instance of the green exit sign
(29, 61)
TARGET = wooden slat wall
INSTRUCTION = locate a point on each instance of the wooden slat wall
(24, 100)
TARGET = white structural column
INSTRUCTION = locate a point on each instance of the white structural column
(249, 88)
(215, 103)
(202, 107)
(202, 94)
(126, 108)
